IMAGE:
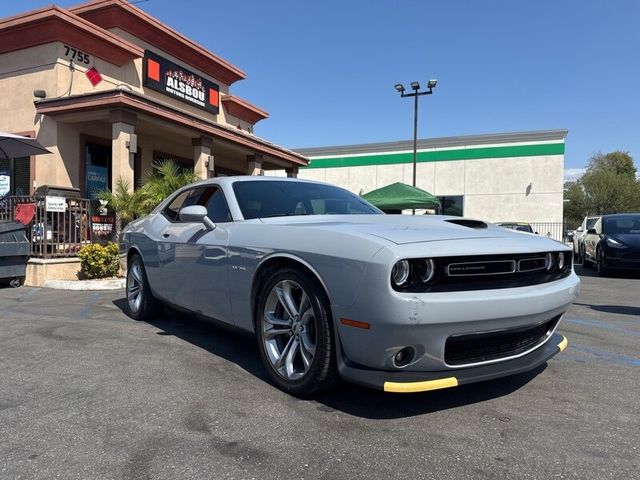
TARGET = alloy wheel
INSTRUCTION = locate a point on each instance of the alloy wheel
(135, 287)
(289, 328)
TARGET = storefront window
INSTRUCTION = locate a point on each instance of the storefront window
(452, 205)
(15, 176)
(97, 168)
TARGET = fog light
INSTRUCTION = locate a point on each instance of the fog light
(404, 357)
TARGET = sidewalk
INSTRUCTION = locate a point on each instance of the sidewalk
(98, 284)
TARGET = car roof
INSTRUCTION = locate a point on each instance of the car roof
(251, 178)
(609, 215)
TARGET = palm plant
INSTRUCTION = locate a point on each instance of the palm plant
(125, 203)
(165, 178)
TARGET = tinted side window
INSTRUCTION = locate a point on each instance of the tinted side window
(194, 197)
(217, 208)
(210, 197)
(171, 211)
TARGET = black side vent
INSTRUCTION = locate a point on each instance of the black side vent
(476, 224)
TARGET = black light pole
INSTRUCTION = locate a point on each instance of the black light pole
(415, 86)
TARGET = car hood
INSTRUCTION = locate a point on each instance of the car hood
(400, 229)
(631, 240)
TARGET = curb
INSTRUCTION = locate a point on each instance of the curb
(101, 284)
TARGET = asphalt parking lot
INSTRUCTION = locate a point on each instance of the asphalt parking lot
(88, 393)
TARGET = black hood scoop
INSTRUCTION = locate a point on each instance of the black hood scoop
(463, 222)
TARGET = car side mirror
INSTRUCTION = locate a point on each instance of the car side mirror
(592, 231)
(196, 213)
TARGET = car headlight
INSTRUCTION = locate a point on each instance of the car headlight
(613, 243)
(426, 269)
(551, 260)
(558, 261)
(400, 273)
(414, 272)
(563, 261)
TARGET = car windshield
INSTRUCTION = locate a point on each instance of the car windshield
(591, 222)
(628, 224)
(262, 199)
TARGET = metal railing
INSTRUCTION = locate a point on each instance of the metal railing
(555, 230)
(8, 205)
(59, 234)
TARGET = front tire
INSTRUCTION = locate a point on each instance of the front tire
(141, 304)
(295, 333)
(600, 268)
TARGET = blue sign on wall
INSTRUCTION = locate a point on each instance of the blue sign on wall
(96, 180)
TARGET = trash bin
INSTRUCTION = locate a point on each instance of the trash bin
(14, 253)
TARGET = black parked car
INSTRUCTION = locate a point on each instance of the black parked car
(614, 243)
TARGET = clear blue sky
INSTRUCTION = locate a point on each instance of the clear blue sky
(325, 70)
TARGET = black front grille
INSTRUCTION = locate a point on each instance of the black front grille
(492, 267)
(482, 347)
(490, 272)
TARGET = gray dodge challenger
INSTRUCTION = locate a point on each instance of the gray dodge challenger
(335, 289)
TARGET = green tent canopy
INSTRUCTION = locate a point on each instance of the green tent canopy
(400, 196)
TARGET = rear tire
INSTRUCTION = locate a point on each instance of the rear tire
(141, 304)
(295, 333)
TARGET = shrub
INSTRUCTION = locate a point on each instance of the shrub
(98, 261)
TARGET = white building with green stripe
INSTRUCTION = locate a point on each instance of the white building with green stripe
(495, 177)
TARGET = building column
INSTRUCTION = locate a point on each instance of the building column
(254, 164)
(292, 172)
(123, 147)
(202, 158)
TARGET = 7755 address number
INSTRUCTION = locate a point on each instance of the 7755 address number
(77, 55)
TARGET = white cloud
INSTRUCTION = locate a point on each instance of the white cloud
(572, 174)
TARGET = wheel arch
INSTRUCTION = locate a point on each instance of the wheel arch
(276, 262)
(133, 251)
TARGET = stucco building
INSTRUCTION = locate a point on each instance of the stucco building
(496, 177)
(109, 89)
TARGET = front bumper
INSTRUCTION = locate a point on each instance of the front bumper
(622, 261)
(425, 322)
(411, 381)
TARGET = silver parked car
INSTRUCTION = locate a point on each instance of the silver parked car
(335, 289)
(578, 238)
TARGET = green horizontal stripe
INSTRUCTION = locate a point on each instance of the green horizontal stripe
(440, 155)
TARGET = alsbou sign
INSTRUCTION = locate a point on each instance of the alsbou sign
(175, 81)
